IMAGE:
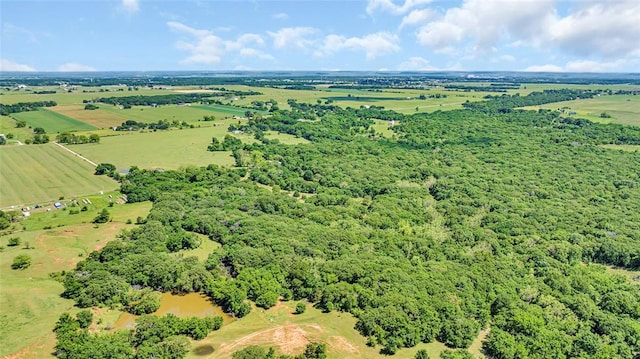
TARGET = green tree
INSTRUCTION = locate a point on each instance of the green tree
(250, 352)
(21, 261)
(14, 241)
(422, 353)
(105, 169)
(94, 138)
(300, 308)
(84, 317)
(103, 217)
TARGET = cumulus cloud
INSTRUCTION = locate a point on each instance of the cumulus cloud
(292, 37)
(75, 67)
(373, 45)
(417, 17)
(130, 6)
(207, 48)
(390, 6)
(591, 29)
(8, 65)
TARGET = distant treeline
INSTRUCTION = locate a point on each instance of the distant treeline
(24, 106)
(169, 99)
(505, 103)
(131, 125)
(494, 87)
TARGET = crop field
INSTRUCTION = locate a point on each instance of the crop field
(52, 122)
(41, 173)
(288, 333)
(623, 109)
(28, 319)
(97, 118)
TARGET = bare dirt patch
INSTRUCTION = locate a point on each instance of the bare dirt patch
(287, 338)
(341, 344)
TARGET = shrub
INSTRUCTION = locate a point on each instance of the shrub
(21, 261)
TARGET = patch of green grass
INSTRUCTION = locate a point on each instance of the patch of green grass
(623, 109)
(33, 174)
(52, 122)
(73, 214)
(227, 110)
(8, 125)
(207, 246)
(628, 148)
(631, 275)
(30, 301)
(169, 149)
(188, 114)
(278, 327)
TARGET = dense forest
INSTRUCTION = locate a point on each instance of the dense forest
(485, 217)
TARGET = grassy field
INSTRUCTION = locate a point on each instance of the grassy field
(42, 173)
(628, 148)
(96, 118)
(30, 301)
(278, 327)
(226, 110)
(8, 125)
(624, 109)
(52, 122)
(189, 114)
(162, 149)
(168, 149)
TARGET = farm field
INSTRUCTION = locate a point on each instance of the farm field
(97, 118)
(190, 114)
(28, 320)
(8, 125)
(163, 149)
(41, 173)
(52, 122)
(624, 109)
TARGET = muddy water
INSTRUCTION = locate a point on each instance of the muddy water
(188, 305)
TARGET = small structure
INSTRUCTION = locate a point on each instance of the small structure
(58, 205)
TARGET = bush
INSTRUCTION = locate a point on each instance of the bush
(13, 241)
(102, 217)
(105, 169)
(21, 261)
(85, 317)
(300, 308)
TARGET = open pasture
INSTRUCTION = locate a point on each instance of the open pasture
(30, 301)
(97, 118)
(52, 122)
(288, 333)
(8, 125)
(190, 114)
(40, 173)
(623, 109)
(162, 149)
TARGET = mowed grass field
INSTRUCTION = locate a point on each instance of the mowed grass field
(39, 173)
(189, 114)
(30, 302)
(97, 118)
(289, 333)
(624, 109)
(162, 149)
(52, 122)
(169, 149)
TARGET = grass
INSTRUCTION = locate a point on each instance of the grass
(52, 122)
(288, 334)
(162, 149)
(628, 148)
(623, 109)
(168, 149)
(42, 173)
(30, 301)
(632, 276)
(226, 110)
(148, 114)
(8, 125)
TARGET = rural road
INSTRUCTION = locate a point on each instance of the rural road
(78, 155)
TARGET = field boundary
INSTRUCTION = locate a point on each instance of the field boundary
(77, 154)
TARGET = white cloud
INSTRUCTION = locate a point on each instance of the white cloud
(10, 30)
(130, 6)
(417, 17)
(373, 45)
(280, 16)
(591, 29)
(8, 65)
(75, 67)
(207, 48)
(390, 6)
(249, 52)
(292, 36)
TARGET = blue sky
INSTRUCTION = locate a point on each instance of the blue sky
(421, 35)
